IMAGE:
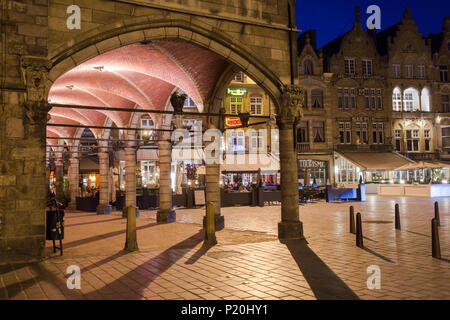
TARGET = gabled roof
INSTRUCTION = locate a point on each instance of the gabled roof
(383, 38)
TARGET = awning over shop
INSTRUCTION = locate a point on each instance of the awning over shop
(89, 165)
(250, 163)
(376, 161)
(183, 154)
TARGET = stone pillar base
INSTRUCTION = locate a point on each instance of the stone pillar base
(104, 209)
(124, 212)
(170, 216)
(218, 220)
(290, 230)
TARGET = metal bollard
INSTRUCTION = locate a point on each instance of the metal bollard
(210, 232)
(435, 245)
(436, 213)
(359, 235)
(131, 237)
(397, 217)
(352, 220)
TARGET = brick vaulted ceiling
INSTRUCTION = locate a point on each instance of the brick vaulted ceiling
(137, 75)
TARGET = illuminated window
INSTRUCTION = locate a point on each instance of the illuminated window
(256, 106)
(235, 105)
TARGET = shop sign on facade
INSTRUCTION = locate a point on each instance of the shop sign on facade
(236, 92)
(311, 164)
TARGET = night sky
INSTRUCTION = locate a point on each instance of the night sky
(332, 18)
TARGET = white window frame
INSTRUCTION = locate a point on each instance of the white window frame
(236, 104)
(256, 105)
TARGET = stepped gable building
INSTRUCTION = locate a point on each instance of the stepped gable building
(373, 93)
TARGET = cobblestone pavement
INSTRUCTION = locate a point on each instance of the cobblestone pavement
(248, 262)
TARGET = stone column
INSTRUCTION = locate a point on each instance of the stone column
(130, 177)
(212, 169)
(165, 212)
(103, 206)
(290, 226)
(59, 168)
(73, 173)
(213, 194)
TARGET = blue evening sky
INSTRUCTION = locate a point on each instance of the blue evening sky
(332, 18)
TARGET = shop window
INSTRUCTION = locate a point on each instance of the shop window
(235, 105)
(443, 72)
(349, 66)
(318, 131)
(148, 172)
(256, 106)
(345, 133)
(445, 98)
(316, 99)
(302, 132)
(367, 67)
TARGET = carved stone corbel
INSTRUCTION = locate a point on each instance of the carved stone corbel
(291, 104)
(35, 74)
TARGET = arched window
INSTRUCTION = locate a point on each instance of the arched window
(411, 100)
(409, 73)
(308, 67)
(425, 100)
(397, 100)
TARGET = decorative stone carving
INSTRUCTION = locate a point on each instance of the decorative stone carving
(177, 101)
(35, 74)
(291, 104)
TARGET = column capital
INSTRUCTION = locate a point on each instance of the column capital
(291, 104)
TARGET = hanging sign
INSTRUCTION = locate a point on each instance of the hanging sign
(233, 122)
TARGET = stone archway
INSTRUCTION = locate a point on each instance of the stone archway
(40, 71)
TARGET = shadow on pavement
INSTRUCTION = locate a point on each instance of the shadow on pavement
(325, 284)
(104, 236)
